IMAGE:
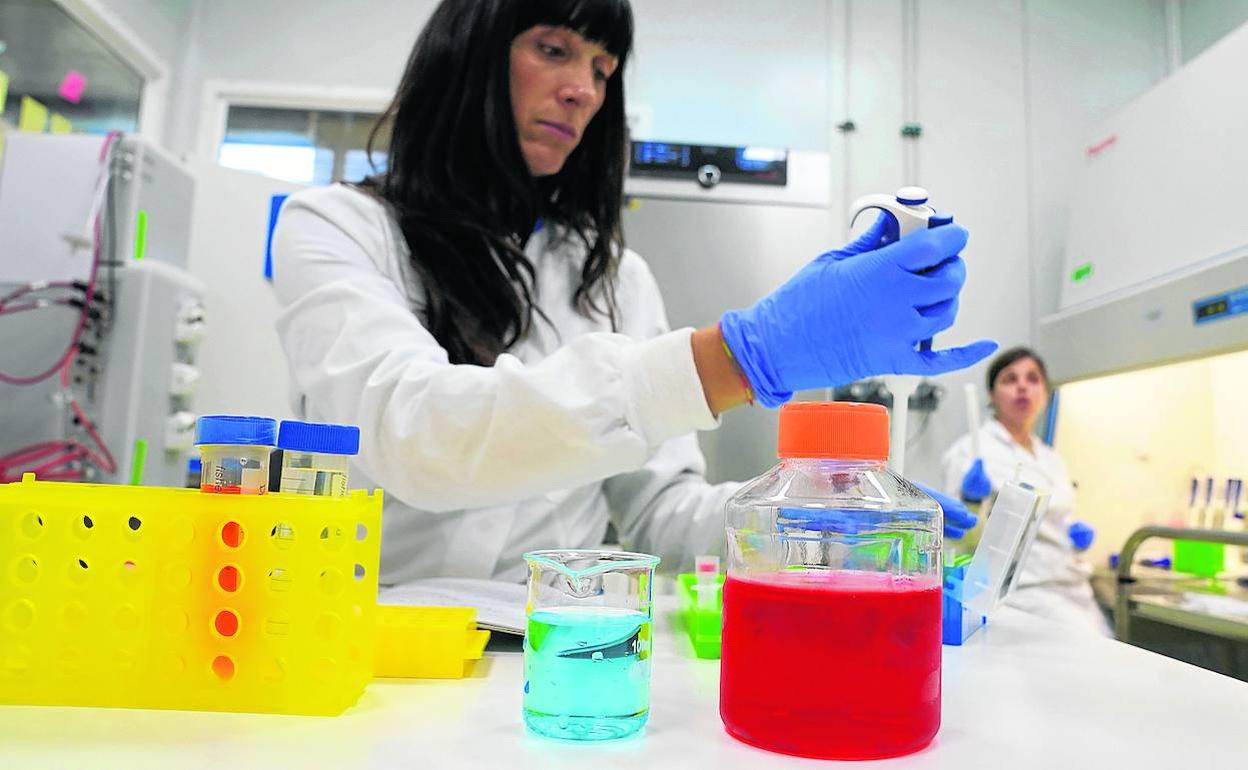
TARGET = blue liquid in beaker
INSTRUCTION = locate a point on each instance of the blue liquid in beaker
(587, 672)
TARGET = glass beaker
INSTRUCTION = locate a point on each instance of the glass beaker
(831, 638)
(588, 643)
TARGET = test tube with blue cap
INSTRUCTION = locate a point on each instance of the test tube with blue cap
(234, 452)
(194, 471)
(316, 456)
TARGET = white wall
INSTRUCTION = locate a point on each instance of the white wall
(339, 44)
(1006, 95)
(161, 24)
(732, 72)
(244, 367)
(1205, 22)
(971, 156)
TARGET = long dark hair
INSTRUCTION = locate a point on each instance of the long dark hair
(459, 186)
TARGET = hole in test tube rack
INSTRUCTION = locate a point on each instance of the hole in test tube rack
(232, 534)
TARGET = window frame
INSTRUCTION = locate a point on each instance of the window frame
(220, 95)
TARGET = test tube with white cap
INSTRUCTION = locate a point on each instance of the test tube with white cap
(706, 570)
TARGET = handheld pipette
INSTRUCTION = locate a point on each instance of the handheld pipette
(908, 212)
(1234, 503)
(1218, 518)
(1202, 515)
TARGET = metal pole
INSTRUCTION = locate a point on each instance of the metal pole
(1122, 601)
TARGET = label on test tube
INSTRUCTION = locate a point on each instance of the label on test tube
(314, 481)
(235, 477)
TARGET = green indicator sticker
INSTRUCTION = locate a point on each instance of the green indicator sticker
(140, 235)
(1081, 272)
(136, 465)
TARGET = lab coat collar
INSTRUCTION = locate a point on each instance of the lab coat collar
(1040, 460)
(998, 431)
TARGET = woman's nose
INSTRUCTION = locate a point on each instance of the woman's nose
(577, 89)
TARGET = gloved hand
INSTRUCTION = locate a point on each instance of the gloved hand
(1081, 535)
(851, 522)
(975, 484)
(957, 518)
(854, 313)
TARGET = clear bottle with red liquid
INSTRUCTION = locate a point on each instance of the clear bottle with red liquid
(831, 639)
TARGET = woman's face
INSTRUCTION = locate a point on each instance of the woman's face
(1019, 392)
(558, 83)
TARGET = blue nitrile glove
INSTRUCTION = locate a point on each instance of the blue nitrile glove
(854, 313)
(1081, 535)
(975, 484)
(957, 518)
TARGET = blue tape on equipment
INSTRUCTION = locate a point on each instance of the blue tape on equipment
(275, 207)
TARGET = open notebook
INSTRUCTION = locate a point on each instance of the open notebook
(500, 606)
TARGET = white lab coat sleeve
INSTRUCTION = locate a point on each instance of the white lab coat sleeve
(442, 437)
(667, 507)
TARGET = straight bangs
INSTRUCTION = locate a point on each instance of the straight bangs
(606, 22)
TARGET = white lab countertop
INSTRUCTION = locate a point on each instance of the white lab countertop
(1019, 694)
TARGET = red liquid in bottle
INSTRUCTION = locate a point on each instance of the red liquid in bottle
(834, 665)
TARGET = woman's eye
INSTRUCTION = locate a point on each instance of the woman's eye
(550, 50)
(601, 76)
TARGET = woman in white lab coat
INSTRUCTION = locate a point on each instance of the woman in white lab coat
(1053, 583)
(509, 362)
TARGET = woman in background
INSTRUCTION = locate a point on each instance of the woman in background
(1053, 583)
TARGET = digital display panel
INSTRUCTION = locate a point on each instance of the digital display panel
(743, 165)
(1211, 309)
(661, 154)
(1220, 306)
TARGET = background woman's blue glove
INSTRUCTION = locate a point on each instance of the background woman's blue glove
(854, 313)
(1081, 535)
(957, 518)
(975, 484)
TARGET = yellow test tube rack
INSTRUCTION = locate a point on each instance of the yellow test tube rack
(148, 597)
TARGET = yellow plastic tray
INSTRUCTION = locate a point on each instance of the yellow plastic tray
(427, 642)
(146, 597)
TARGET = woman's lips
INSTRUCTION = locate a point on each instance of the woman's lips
(561, 130)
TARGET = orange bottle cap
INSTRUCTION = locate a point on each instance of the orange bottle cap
(834, 430)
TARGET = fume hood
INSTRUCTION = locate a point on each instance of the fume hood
(1156, 266)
